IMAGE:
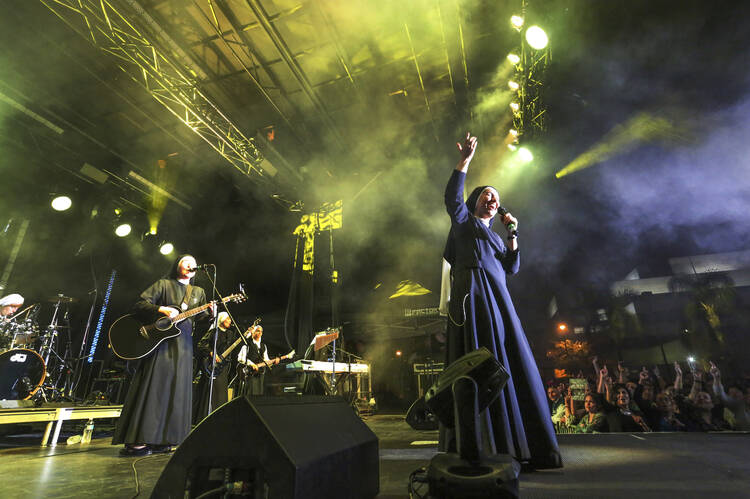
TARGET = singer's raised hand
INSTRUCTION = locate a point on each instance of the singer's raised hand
(466, 150)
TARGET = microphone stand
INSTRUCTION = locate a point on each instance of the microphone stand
(84, 340)
(214, 292)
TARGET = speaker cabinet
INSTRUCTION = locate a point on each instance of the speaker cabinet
(276, 447)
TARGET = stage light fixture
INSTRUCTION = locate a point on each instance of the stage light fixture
(525, 155)
(562, 327)
(512, 147)
(398, 353)
(123, 230)
(61, 203)
(513, 58)
(515, 106)
(166, 248)
(516, 22)
(513, 85)
(536, 37)
(513, 132)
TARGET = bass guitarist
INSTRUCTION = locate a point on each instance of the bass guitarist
(257, 353)
(221, 371)
(158, 408)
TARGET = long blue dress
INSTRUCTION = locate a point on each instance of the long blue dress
(482, 315)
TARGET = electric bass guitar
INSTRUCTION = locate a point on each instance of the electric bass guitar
(131, 339)
(247, 370)
(221, 364)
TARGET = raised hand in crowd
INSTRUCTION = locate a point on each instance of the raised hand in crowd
(623, 372)
(714, 371)
(603, 373)
(643, 376)
(677, 377)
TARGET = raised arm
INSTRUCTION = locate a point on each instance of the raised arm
(719, 388)
(677, 377)
(454, 191)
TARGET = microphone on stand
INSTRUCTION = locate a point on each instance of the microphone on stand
(511, 226)
(201, 266)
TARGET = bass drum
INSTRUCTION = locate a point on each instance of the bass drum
(22, 373)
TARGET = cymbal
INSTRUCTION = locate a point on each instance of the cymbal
(62, 299)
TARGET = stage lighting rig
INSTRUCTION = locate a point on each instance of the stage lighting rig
(533, 56)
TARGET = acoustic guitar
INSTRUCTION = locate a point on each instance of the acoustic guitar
(131, 339)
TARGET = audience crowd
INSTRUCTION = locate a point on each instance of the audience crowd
(637, 401)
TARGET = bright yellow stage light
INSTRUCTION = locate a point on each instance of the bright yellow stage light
(536, 37)
(516, 22)
(513, 58)
(61, 203)
(513, 85)
(525, 155)
(123, 230)
(515, 106)
(166, 248)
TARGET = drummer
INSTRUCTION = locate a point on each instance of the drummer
(9, 305)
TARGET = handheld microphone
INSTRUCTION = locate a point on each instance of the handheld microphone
(201, 266)
(511, 226)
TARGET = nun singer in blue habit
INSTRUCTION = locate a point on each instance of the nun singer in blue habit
(481, 314)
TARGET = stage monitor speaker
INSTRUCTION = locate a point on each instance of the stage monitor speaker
(276, 447)
(479, 365)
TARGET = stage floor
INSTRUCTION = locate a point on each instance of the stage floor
(607, 465)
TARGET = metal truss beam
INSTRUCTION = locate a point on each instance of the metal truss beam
(108, 27)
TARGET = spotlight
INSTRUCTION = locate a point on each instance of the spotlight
(513, 132)
(123, 230)
(691, 359)
(166, 248)
(61, 203)
(515, 106)
(516, 22)
(513, 85)
(513, 58)
(562, 327)
(536, 37)
(398, 353)
(525, 155)
(512, 147)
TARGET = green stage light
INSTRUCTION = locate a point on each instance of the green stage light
(536, 37)
(516, 22)
(513, 58)
(513, 85)
(515, 106)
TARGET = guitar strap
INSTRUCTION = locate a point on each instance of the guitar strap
(186, 300)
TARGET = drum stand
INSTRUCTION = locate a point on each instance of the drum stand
(46, 350)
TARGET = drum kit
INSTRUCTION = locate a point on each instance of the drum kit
(30, 365)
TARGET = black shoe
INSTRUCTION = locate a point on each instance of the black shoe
(129, 451)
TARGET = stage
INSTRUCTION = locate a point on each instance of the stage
(605, 465)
